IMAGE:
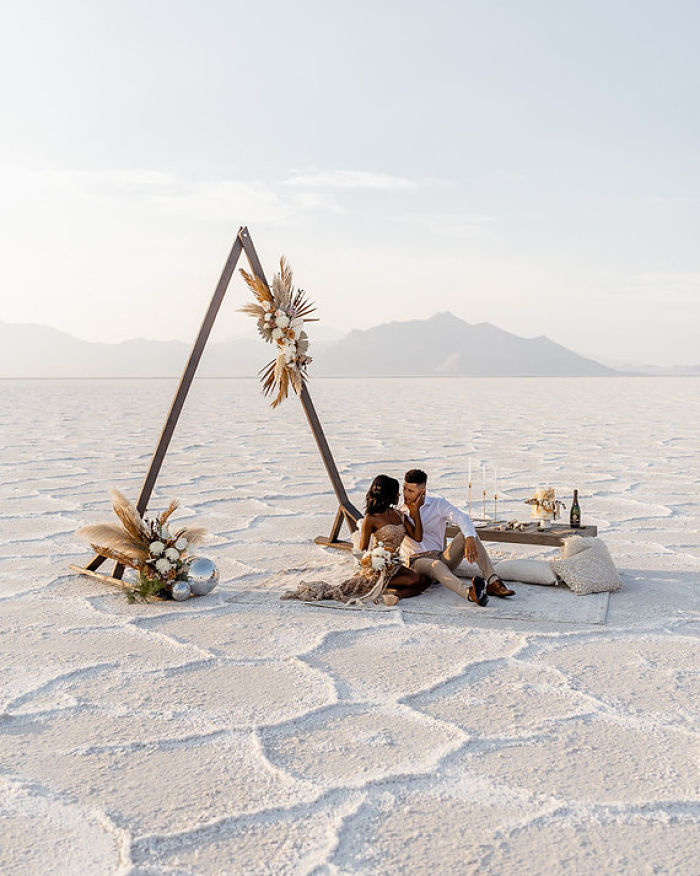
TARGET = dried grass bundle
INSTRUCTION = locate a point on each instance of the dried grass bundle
(117, 555)
(129, 516)
(115, 538)
(195, 535)
(173, 506)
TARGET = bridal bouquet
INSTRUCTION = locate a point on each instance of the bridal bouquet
(159, 555)
(378, 558)
(281, 313)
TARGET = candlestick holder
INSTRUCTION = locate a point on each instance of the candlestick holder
(484, 498)
(470, 498)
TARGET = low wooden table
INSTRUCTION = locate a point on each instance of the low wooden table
(554, 536)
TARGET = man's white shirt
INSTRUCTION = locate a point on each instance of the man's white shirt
(435, 514)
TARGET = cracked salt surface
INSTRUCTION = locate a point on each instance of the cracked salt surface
(241, 734)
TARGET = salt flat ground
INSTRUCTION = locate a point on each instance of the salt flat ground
(240, 734)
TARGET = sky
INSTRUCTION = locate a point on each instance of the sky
(533, 165)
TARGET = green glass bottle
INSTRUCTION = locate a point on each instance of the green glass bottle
(575, 515)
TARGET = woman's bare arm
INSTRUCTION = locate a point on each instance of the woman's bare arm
(368, 527)
(414, 528)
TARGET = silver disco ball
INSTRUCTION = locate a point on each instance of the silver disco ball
(181, 591)
(203, 576)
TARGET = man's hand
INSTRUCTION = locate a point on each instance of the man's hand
(416, 504)
(470, 549)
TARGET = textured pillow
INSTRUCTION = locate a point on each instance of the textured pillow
(527, 571)
(586, 566)
(574, 545)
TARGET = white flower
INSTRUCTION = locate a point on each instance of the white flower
(172, 554)
(267, 305)
(181, 543)
(282, 321)
(276, 334)
(156, 548)
(297, 322)
(380, 557)
(268, 317)
(163, 565)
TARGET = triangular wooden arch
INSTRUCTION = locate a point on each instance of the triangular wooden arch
(346, 510)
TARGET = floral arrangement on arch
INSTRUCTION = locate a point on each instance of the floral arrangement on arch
(281, 312)
(159, 555)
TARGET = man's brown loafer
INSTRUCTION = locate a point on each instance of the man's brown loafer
(496, 587)
(477, 592)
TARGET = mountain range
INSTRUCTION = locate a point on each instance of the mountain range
(442, 345)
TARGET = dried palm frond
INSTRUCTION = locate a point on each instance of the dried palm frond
(257, 286)
(254, 310)
(119, 556)
(194, 534)
(285, 274)
(301, 306)
(173, 506)
(282, 285)
(129, 516)
(267, 375)
(283, 390)
(114, 537)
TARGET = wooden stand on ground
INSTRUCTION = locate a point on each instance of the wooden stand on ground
(108, 579)
(346, 511)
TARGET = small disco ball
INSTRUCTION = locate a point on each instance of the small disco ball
(203, 576)
(181, 591)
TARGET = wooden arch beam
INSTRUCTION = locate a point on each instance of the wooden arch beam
(346, 511)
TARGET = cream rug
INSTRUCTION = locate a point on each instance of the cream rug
(531, 602)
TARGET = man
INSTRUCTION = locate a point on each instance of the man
(430, 557)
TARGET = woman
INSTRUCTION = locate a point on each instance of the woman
(381, 575)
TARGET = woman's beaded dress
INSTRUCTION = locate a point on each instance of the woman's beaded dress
(367, 584)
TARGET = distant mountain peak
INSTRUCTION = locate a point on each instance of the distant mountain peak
(441, 345)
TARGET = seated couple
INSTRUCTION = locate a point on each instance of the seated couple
(404, 549)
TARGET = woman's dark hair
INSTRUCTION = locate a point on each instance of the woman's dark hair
(383, 493)
(415, 476)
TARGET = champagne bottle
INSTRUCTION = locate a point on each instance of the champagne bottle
(575, 515)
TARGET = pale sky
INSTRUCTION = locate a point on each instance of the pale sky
(530, 164)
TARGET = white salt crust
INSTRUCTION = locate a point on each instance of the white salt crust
(237, 733)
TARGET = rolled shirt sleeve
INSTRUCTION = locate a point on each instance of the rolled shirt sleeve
(458, 517)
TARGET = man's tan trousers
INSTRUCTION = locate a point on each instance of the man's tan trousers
(441, 568)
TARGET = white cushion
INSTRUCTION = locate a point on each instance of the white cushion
(527, 571)
(586, 566)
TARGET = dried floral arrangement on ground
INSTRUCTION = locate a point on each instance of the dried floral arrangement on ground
(160, 555)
